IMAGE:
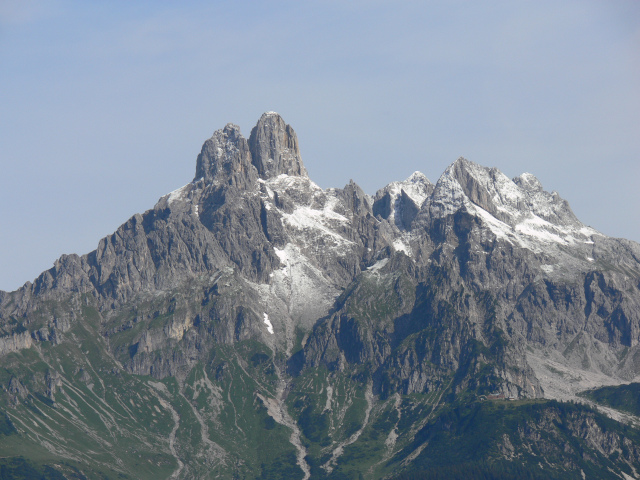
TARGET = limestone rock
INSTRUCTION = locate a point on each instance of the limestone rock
(274, 147)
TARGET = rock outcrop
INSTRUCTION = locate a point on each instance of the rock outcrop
(274, 148)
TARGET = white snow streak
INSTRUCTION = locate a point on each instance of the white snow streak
(267, 322)
(400, 246)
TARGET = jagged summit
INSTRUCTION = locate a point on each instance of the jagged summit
(399, 202)
(272, 149)
(506, 199)
(226, 155)
(519, 211)
(417, 177)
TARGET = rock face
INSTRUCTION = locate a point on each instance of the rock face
(252, 306)
(274, 148)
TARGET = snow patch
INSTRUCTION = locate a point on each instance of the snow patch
(178, 194)
(282, 255)
(378, 265)
(532, 228)
(588, 231)
(500, 229)
(284, 259)
(267, 322)
(301, 286)
(327, 405)
(320, 222)
(400, 246)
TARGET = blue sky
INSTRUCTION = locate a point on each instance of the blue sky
(104, 105)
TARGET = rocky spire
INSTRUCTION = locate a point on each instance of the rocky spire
(226, 157)
(274, 147)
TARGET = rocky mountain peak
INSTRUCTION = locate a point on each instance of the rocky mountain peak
(274, 147)
(505, 199)
(226, 157)
(529, 182)
(487, 188)
(399, 202)
(418, 177)
(518, 211)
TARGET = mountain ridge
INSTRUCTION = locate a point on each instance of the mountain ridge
(516, 211)
(252, 282)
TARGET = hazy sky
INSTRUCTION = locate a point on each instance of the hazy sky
(104, 106)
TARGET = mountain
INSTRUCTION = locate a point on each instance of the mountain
(254, 325)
